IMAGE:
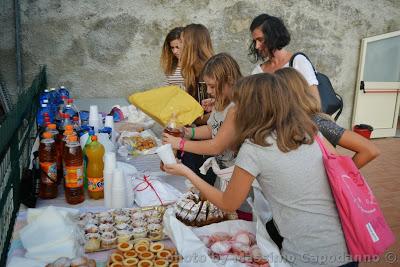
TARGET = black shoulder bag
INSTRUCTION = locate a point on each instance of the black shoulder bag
(331, 102)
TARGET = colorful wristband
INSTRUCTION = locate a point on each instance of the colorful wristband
(182, 146)
(193, 133)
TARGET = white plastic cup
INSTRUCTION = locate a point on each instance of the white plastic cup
(118, 200)
(109, 122)
(166, 154)
(110, 161)
(118, 180)
(94, 117)
(108, 188)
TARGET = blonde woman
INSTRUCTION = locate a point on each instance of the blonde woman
(277, 148)
(170, 58)
(197, 49)
(364, 149)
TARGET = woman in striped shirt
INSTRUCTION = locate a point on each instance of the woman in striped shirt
(170, 58)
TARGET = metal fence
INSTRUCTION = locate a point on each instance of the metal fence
(17, 134)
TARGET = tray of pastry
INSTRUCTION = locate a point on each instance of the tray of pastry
(104, 230)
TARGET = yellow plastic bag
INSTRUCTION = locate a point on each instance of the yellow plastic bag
(161, 103)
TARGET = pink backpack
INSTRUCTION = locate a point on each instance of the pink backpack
(365, 229)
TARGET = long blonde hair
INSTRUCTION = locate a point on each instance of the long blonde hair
(264, 107)
(168, 61)
(225, 71)
(197, 49)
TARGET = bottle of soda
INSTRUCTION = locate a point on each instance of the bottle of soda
(85, 158)
(51, 128)
(48, 167)
(95, 166)
(173, 127)
(73, 177)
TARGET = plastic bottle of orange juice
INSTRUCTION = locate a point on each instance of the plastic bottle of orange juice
(95, 166)
(73, 160)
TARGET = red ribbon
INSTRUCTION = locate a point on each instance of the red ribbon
(146, 181)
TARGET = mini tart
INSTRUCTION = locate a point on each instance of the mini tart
(130, 254)
(145, 263)
(156, 235)
(174, 264)
(117, 264)
(156, 247)
(124, 236)
(124, 246)
(144, 241)
(116, 257)
(164, 254)
(140, 248)
(130, 262)
(161, 263)
(147, 255)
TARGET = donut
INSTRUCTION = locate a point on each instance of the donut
(130, 254)
(156, 247)
(116, 257)
(131, 262)
(147, 255)
(124, 246)
(145, 263)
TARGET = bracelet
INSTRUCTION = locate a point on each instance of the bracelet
(193, 132)
(182, 146)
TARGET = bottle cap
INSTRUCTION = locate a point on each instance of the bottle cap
(47, 135)
(72, 138)
(94, 137)
(46, 119)
(64, 97)
(70, 100)
(69, 127)
(52, 126)
(66, 115)
(68, 132)
(75, 118)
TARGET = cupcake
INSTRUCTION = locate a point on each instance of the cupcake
(106, 220)
(139, 232)
(91, 228)
(154, 220)
(139, 223)
(103, 214)
(92, 241)
(124, 235)
(137, 216)
(106, 227)
(154, 227)
(119, 219)
(122, 226)
(92, 221)
(108, 240)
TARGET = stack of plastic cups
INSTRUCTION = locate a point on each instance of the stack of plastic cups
(110, 163)
(101, 121)
(110, 123)
(94, 118)
(118, 191)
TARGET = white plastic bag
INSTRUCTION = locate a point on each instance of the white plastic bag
(194, 251)
(151, 190)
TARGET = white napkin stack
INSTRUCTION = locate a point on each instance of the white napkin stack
(51, 234)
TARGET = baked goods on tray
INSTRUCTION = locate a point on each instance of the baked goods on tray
(193, 211)
(104, 230)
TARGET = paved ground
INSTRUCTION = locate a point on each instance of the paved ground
(383, 176)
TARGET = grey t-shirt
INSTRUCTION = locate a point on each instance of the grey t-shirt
(329, 129)
(296, 186)
(227, 158)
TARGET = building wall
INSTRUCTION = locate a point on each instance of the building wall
(112, 48)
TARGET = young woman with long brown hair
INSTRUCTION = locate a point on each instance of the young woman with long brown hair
(197, 49)
(365, 150)
(278, 149)
(170, 58)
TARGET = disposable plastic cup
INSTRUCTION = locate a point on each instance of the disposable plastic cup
(94, 110)
(109, 122)
(118, 200)
(166, 154)
(118, 180)
(110, 161)
(108, 188)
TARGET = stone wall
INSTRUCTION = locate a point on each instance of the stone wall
(112, 48)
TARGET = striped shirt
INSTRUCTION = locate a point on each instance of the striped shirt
(175, 78)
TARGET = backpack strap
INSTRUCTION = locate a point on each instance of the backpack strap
(300, 53)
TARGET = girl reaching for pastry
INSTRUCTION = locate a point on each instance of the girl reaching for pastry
(220, 73)
(277, 147)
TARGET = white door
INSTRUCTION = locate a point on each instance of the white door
(377, 97)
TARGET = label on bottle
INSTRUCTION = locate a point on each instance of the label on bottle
(50, 171)
(73, 176)
(96, 184)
